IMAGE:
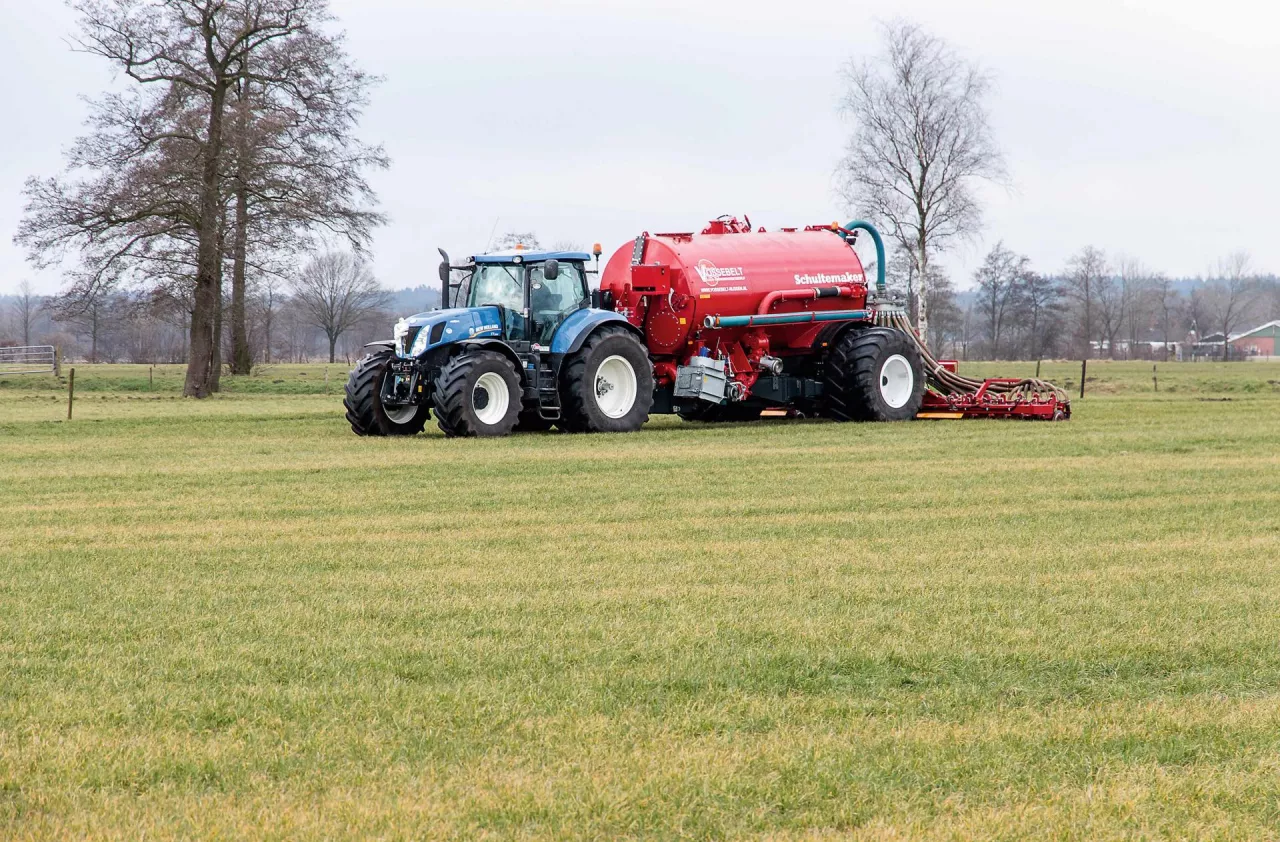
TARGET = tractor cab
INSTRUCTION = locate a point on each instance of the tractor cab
(535, 291)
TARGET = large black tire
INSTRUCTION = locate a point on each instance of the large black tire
(363, 401)
(590, 399)
(462, 395)
(874, 375)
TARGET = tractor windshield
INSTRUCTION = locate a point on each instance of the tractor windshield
(494, 283)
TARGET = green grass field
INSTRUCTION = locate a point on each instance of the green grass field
(236, 620)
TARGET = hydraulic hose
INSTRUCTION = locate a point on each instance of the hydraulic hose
(858, 225)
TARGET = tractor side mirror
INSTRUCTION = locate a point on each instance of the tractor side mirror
(551, 270)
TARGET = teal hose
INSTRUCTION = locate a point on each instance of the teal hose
(856, 225)
(758, 320)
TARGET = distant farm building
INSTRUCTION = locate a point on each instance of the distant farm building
(1259, 342)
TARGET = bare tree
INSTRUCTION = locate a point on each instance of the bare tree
(1229, 296)
(1168, 304)
(997, 280)
(26, 308)
(922, 138)
(169, 191)
(511, 239)
(1136, 299)
(335, 290)
(1087, 271)
(295, 165)
(1039, 310)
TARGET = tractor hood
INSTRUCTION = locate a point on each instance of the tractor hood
(418, 334)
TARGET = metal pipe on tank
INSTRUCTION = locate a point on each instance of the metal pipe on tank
(714, 322)
(803, 295)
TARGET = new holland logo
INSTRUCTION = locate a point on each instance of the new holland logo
(712, 274)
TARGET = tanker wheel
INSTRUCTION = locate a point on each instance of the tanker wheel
(874, 375)
(607, 387)
(367, 414)
(478, 394)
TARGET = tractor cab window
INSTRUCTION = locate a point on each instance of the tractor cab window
(503, 285)
(551, 301)
(495, 283)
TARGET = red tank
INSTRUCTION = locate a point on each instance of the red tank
(725, 290)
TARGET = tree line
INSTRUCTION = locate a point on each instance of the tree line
(227, 155)
(300, 322)
(1096, 306)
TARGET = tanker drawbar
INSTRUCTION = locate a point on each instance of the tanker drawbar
(724, 325)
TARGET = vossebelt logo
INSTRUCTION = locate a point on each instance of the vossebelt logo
(712, 274)
(825, 280)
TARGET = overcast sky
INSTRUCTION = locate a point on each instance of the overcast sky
(1150, 128)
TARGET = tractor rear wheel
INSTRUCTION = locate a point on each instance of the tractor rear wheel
(367, 414)
(478, 394)
(874, 375)
(607, 387)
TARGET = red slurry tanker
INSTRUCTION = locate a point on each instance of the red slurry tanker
(723, 325)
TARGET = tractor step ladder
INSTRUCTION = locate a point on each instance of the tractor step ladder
(548, 392)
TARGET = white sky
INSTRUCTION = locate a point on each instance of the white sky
(1149, 127)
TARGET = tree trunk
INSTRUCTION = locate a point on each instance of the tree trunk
(922, 295)
(219, 313)
(266, 330)
(200, 371)
(333, 344)
(241, 358)
(215, 380)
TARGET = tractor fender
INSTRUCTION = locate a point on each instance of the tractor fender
(494, 345)
(576, 329)
(382, 343)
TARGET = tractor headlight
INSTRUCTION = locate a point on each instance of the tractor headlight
(420, 342)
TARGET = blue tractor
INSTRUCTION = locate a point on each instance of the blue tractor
(518, 344)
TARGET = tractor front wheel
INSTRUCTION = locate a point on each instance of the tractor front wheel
(607, 387)
(874, 375)
(366, 412)
(478, 394)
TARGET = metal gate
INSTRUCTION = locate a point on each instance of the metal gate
(32, 359)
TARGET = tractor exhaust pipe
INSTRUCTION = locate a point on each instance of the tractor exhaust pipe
(445, 286)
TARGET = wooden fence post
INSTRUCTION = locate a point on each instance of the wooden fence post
(1155, 377)
(57, 361)
(1037, 369)
(71, 393)
(1084, 372)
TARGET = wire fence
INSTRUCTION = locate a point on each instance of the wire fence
(32, 359)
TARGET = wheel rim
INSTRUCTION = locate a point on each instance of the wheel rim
(490, 398)
(398, 414)
(616, 387)
(897, 381)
